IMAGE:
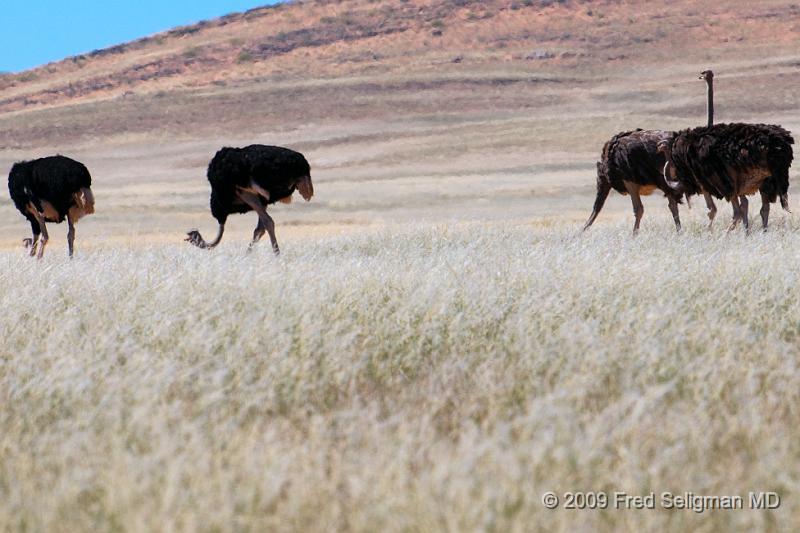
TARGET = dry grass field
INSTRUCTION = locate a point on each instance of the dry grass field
(425, 378)
(438, 345)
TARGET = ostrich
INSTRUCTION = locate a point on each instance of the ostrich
(631, 164)
(250, 178)
(48, 190)
(769, 189)
(708, 76)
(731, 161)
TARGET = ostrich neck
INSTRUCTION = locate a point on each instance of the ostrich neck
(212, 244)
(676, 185)
(710, 103)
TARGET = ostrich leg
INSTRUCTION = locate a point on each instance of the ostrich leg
(638, 208)
(30, 243)
(45, 237)
(70, 234)
(764, 210)
(257, 234)
(712, 209)
(743, 203)
(264, 219)
(737, 212)
(673, 207)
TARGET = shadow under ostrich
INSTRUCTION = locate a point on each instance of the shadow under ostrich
(249, 179)
(51, 189)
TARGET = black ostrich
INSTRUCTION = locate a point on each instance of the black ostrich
(731, 161)
(631, 164)
(51, 189)
(769, 189)
(250, 178)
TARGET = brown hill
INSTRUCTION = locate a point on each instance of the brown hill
(504, 101)
(430, 44)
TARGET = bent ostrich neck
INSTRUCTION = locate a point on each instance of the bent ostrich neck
(675, 185)
(197, 239)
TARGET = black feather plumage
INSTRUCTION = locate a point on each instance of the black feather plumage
(51, 189)
(274, 168)
(632, 156)
(718, 158)
(54, 179)
(250, 178)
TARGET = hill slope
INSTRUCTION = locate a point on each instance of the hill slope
(408, 110)
(333, 40)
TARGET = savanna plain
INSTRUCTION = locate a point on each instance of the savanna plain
(438, 344)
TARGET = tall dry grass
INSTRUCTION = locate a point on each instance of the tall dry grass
(418, 379)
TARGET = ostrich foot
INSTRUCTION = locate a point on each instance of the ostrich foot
(253, 245)
(29, 245)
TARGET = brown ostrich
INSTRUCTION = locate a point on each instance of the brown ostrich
(708, 76)
(631, 164)
(731, 161)
(770, 189)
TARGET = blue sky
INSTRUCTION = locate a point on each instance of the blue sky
(35, 32)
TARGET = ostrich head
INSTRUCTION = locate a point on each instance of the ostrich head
(670, 175)
(707, 75)
(194, 237)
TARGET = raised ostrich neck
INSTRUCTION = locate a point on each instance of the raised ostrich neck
(710, 83)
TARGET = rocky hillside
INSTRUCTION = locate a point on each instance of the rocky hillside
(591, 67)
(332, 39)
